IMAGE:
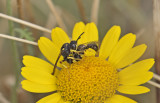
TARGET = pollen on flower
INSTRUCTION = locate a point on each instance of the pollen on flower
(91, 80)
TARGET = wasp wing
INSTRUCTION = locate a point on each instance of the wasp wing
(84, 46)
(92, 42)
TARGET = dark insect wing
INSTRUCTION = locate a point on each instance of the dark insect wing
(93, 45)
(81, 47)
(87, 45)
(91, 42)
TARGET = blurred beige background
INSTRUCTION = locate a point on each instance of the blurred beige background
(134, 16)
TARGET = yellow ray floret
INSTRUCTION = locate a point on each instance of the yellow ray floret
(94, 78)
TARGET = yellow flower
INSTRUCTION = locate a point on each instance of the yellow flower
(92, 79)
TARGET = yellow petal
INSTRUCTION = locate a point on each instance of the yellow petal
(49, 50)
(77, 31)
(61, 101)
(38, 76)
(134, 54)
(59, 37)
(53, 98)
(91, 32)
(122, 47)
(139, 67)
(34, 62)
(119, 99)
(135, 79)
(133, 89)
(89, 52)
(39, 64)
(37, 88)
(109, 41)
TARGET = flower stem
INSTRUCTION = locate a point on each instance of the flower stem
(15, 56)
(20, 15)
(25, 23)
(18, 39)
(56, 14)
(94, 11)
(156, 31)
(82, 11)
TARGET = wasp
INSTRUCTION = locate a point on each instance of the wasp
(73, 52)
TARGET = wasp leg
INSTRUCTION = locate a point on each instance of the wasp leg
(75, 51)
(64, 66)
(62, 61)
(73, 58)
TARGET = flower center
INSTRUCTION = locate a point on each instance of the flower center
(91, 80)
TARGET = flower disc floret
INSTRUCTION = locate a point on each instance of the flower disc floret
(91, 80)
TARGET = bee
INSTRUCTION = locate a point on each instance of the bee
(73, 52)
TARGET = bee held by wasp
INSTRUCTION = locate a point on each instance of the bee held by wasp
(73, 52)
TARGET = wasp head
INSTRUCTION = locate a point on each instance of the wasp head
(65, 49)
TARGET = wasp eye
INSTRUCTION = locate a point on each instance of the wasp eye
(73, 45)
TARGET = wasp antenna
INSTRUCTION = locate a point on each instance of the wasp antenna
(55, 65)
(79, 36)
